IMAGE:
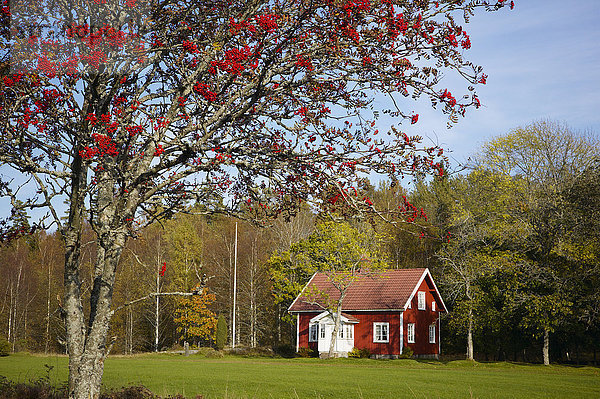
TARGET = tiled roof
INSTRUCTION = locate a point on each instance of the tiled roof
(388, 289)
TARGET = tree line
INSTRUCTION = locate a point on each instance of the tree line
(513, 244)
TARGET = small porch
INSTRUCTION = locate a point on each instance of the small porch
(321, 330)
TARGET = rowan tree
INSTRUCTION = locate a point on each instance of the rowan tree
(128, 111)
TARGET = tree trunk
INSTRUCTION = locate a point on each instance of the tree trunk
(87, 351)
(278, 323)
(470, 340)
(47, 335)
(470, 326)
(87, 344)
(156, 313)
(546, 349)
(336, 328)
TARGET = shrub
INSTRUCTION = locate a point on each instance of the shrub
(359, 353)
(221, 333)
(139, 392)
(4, 347)
(39, 389)
(284, 350)
(407, 353)
(305, 351)
(214, 354)
(247, 351)
(202, 351)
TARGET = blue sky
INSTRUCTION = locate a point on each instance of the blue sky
(543, 62)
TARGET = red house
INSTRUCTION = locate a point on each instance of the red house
(383, 312)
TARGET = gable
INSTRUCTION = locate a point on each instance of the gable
(427, 285)
(388, 290)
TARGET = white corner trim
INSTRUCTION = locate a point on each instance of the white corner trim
(297, 332)
(439, 331)
(401, 332)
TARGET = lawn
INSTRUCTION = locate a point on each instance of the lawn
(233, 377)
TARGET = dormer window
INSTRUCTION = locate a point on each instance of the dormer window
(421, 297)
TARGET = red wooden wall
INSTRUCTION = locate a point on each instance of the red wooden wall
(363, 332)
(303, 321)
(423, 319)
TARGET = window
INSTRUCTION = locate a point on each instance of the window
(349, 331)
(432, 334)
(381, 332)
(410, 333)
(421, 300)
(346, 331)
(433, 306)
(322, 330)
(313, 330)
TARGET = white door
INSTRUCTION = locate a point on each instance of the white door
(343, 343)
(324, 337)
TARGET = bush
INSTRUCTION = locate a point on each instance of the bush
(407, 353)
(305, 351)
(202, 351)
(247, 351)
(39, 389)
(284, 350)
(4, 347)
(214, 354)
(221, 333)
(139, 392)
(359, 353)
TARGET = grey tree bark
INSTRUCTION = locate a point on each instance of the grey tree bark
(546, 348)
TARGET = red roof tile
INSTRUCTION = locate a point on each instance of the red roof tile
(389, 289)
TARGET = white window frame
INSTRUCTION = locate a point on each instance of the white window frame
(432, 333)
(313, 333)
(422, 305)
(346, 331)
(410, 333)
(322, 331)
(433, 306)
(381, 338)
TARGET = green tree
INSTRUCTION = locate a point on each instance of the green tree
(340, 252)
(221, 333)
(546, 157)
(480, 226)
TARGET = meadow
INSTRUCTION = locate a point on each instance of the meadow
(237, 377)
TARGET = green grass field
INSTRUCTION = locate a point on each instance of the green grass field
(233, 377)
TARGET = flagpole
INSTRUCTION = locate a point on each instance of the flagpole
(234, 283)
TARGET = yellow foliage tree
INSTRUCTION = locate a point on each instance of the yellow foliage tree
(194, 320)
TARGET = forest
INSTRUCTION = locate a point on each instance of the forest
(512, 239)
